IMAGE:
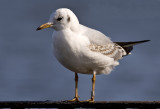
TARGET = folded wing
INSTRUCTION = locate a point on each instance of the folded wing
(112, 50)
(115, 50)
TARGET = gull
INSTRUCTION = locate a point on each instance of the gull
(82, 49)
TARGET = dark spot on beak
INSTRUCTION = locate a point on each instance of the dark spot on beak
(38, 28)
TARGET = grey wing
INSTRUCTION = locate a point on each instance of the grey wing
(102, 44)
(111, 50)
(95, 37)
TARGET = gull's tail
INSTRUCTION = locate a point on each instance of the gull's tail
(128, 46)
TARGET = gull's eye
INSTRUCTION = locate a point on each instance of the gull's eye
(59, 18)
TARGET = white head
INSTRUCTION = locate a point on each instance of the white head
(61, 19)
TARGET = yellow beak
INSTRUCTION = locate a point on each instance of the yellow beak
(46, 25)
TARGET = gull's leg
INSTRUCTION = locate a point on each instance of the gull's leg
(93, 89)
(93, 86)
(76, 87)
(76, 98)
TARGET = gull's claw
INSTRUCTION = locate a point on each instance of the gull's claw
(75, 99)
(90, 100)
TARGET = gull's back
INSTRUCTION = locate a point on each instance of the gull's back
(95, 36)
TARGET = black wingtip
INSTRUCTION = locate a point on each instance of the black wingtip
(128, 46)
(145, 40)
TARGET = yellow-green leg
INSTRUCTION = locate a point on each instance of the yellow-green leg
(93, 89)
(76, 98)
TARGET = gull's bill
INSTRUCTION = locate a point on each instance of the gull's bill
(46, 25)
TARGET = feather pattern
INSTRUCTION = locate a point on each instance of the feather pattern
(112, 50)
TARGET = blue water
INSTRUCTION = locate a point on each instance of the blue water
(28, 71)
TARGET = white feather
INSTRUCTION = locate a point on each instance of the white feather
(82, 49)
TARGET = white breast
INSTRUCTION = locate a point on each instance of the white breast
(68, 49)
